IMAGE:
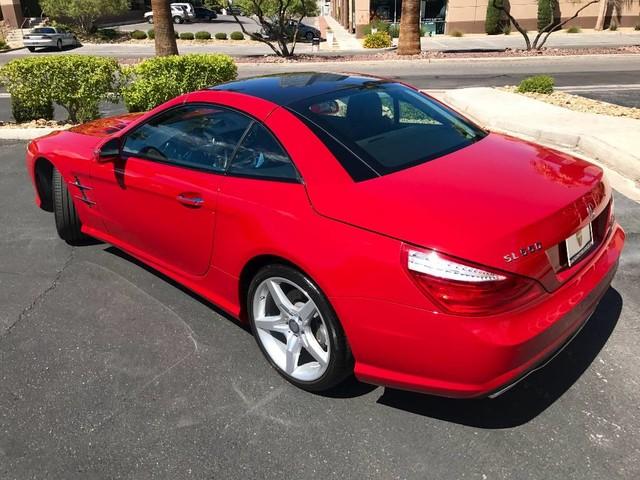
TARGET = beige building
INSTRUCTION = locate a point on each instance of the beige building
(468, 16)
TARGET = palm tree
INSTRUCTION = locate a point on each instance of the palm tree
(165, 35)
(409, 41)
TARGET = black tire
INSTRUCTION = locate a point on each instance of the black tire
(31, 49)
(340, 364)
(68, 224)
(59, 45)
(150, 19)
(309, 36)
(177, 19)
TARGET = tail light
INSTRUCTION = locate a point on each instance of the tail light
(463, 289)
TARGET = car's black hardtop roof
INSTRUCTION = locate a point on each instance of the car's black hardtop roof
(288, 88)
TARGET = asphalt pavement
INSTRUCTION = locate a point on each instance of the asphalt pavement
(110, 370)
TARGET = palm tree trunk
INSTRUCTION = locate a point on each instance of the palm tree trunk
(409, 41)
(165, 38)
(602, 11)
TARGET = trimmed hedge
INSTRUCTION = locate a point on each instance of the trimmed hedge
(221, 36)
(537, 84)
(494, 20)
(156, 80)
(187, 36)
(377, 40)
(236, 36)
(138, 35)
(76, 82)
(203, 36)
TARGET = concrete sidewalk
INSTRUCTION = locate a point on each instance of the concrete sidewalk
(613, 141)
(343, 39)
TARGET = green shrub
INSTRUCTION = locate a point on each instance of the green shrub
(548, 12)
(138, 35)
(573, 30)
(151, 33)
(457, 33)
(156, 80)
(537, 84)
(494, 20)
(507, 29)
(220, 36)
(394, 31)
(236, 36)
(187, 36)
(3, 45)
(107, 34)
(76, 82)
(26, 111)
(377, 40)
(203, 36)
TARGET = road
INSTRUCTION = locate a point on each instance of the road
(110, 370)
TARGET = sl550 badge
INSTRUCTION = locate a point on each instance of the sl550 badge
(523, 252)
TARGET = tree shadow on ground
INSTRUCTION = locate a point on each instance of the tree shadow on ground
(532, 396)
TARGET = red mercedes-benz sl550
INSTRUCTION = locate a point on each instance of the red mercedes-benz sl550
(357, 224)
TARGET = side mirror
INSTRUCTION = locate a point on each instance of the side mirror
(109, 151)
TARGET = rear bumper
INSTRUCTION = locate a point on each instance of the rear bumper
(413, 349)
(51, 42)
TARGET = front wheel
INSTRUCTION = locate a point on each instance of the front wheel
(68, 223)
(177, 19)
(59, 45)
(150, 19)
(297, 330)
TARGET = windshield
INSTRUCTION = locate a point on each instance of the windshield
(388, 126)
(44, 30)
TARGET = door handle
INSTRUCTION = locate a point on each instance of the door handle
(190, 200)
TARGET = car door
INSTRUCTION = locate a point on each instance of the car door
(261, 202)
(158, 199)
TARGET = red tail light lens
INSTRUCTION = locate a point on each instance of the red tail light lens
(463, 289)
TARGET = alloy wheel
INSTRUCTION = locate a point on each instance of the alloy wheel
(291, 329)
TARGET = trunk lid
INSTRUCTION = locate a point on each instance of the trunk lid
(480, 204)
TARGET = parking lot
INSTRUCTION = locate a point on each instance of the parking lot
(110, 370)
(224, 23)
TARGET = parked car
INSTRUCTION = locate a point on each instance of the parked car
(49, 37)
(178, 14)
(188, 8)
(305, 31)
(355, 223)
(235, 11)
(205, 14)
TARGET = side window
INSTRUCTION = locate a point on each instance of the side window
(260, 155)
(200, 136)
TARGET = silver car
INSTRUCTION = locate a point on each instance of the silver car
(48, 37)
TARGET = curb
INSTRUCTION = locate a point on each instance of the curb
(624, 163)
(25, 133)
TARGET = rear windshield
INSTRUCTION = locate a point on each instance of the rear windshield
(387, 126)
(44, 30)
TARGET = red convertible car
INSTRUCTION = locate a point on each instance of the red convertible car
(358, 225)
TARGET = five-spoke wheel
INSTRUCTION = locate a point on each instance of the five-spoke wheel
(297, 329)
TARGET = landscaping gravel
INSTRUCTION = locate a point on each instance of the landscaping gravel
(581, 104)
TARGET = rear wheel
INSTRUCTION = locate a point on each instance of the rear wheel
(59, 45)
(150, 19)
(68, 223)
(177, 19)
(296, 329)
(31, 49)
